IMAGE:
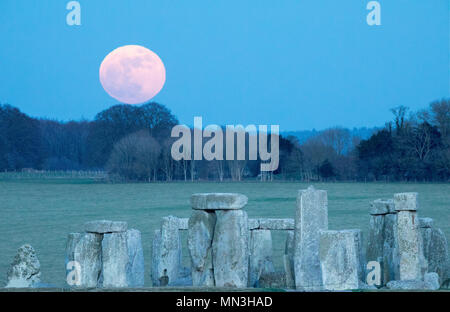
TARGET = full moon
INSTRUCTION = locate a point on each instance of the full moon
(132, 74)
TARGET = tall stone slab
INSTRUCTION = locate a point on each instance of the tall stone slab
(412, 263)
(230, 249)
(288, 260)
(135, 265)
(260, 254)
(390, 252)
(200, 236)
(170, 252)
(435, 248)
(311, 217)
(114, 260)
(85, 249)
(340, 259)
(156, 258)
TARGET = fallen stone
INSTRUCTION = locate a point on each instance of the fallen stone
(230, 249)
(114, 260)
(430, 284)
(105, 226)
(381, 206)
(406, 202)
(86, 251)
(218, 201)
(260, 255)
(311, 217)
(135, 265)
(200, 236)
(25, 270)
(288, 260)
(340, 259)
(276, 224)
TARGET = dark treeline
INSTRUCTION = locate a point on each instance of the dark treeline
(133, 143)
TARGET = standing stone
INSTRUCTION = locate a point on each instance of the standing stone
(85, 250)
(412, 263)
(390, 252)
(435, 249)
(340, 259)
(115, 260)
(230, 249)
(311, 217)
(25, 270)
(375, 244)
(260, 255)
(170, 252)
(288, 259)
(200, 235)
(135, 265)
(156, 255)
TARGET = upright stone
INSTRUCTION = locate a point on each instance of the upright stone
(260, 255)
(200, 235)
(25, 270)
(288, 259)
(340, 259)
(135, 265)
(412, 264)
(375, 244)
(114, 260)
(390, 252)
(311, 217)
(86, 251)
(230, 249)
(156, 258)
(170, 252)
(435, 248)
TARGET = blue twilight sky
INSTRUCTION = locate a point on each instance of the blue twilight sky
(301, 64)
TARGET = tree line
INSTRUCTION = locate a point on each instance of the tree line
(133, 143)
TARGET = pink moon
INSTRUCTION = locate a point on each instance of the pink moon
(132, 74)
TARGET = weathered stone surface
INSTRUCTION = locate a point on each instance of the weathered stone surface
(114, 260)
(260, 255)
(375, 244)
(276, 279)
(86, 250)
(436, 251)
(253, 224)
(135, 265)
(105, 226)
(381, 206)
(340, 259)
(406, 202)
(183, 224)
(430, 282)
(218, 201)
(170, 252)
(311, 217)
(390, 250)
(230, 249)
(25, 270)
(276, 224)
(200, 236)
(288, 260)
(426, 222)
(156, 254)
(412, 263)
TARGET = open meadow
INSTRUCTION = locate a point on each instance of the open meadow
(42, 212)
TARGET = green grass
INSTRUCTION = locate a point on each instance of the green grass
(43, 212)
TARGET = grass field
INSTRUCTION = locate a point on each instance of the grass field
(43, 212)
